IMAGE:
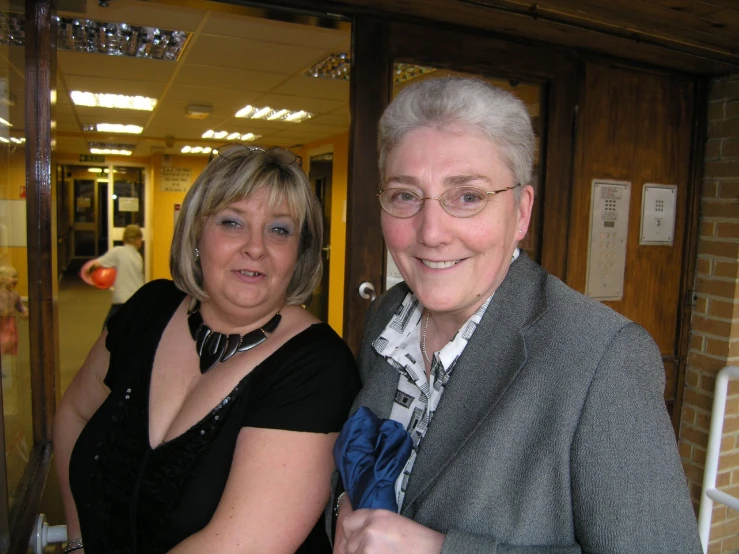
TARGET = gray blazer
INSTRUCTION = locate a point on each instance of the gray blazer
(552, 434)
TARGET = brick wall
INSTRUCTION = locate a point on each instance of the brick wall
(714, 339)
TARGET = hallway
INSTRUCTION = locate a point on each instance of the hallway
(82, 309)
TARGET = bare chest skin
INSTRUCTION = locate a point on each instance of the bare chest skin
(180, 396)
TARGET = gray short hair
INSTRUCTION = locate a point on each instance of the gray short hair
(442, 102)
(228, 180)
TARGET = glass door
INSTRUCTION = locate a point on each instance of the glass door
(127, 204)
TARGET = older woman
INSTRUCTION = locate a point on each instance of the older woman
(536, 414)
(203, 419)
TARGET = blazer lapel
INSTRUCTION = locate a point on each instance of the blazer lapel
(487, 367)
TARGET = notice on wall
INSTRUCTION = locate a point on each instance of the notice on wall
(175, 179)
(128, 204)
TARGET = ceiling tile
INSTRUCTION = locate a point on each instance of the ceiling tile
(303, 85)
(114, 67)
(275, 31)
(252, 55)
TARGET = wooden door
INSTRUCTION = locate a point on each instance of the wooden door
(377, 45)
(637, 126)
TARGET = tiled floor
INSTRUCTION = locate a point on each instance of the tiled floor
(82, 310)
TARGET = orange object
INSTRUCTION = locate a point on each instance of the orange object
(103, 277)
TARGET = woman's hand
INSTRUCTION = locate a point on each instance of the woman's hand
(384, 532)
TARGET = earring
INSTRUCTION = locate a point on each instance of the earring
(197, 254)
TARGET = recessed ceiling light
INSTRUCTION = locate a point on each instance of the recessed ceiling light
(100, 100)
(252, 112)
(118, 128)
(211, 134)
(120, 39)
(196, 149)
(110, 152)
(338, 66)
(111, 148)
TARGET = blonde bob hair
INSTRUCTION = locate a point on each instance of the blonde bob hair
(230, 179)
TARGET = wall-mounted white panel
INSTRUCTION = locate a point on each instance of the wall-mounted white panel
(609, 226)
(658, 214)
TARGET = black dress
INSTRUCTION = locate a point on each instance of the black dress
(134, 499)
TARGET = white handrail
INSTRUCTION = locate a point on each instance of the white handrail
(710, 493)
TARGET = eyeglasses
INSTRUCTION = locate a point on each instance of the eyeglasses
(236, 150)
(457, 201)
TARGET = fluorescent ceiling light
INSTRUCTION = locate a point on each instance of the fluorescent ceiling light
(196, 150)
(251, 112)
(3, 139)
(18, 140)
(95, 170)
(118, 128)
(245, 111)
(7, 123)
(211, 134)
(110, 151)
(119, 101)
(261, 112)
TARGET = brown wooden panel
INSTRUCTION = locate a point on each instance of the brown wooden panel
(501, 16)
(635, 126)
(369, 94)
(711, 28)
(671, 367)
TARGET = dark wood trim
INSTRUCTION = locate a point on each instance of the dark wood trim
(42, 287)
(520, 25)
(4, 501)
(369, 94)
(690, 247)
(28, 496)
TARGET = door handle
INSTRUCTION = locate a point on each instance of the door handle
(367, 291)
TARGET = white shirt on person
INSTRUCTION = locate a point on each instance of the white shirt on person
(129, 266)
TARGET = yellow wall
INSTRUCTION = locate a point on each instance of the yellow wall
(339, 178)
(162, 213)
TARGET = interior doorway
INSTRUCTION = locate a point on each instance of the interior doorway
(99, 201)
(321, 170)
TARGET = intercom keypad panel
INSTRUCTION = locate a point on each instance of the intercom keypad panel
(609, 225)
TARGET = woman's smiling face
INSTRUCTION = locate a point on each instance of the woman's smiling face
(248, 253)
(453, 264)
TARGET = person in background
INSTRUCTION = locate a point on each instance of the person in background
(10, 304)
(129, 266)
(536, 414)
(204, 416)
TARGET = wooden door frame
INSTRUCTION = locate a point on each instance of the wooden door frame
(40, 73)
(376, 43)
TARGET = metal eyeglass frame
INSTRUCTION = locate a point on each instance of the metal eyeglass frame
(423, 199)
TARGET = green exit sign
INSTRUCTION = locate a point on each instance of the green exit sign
(92, 158)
